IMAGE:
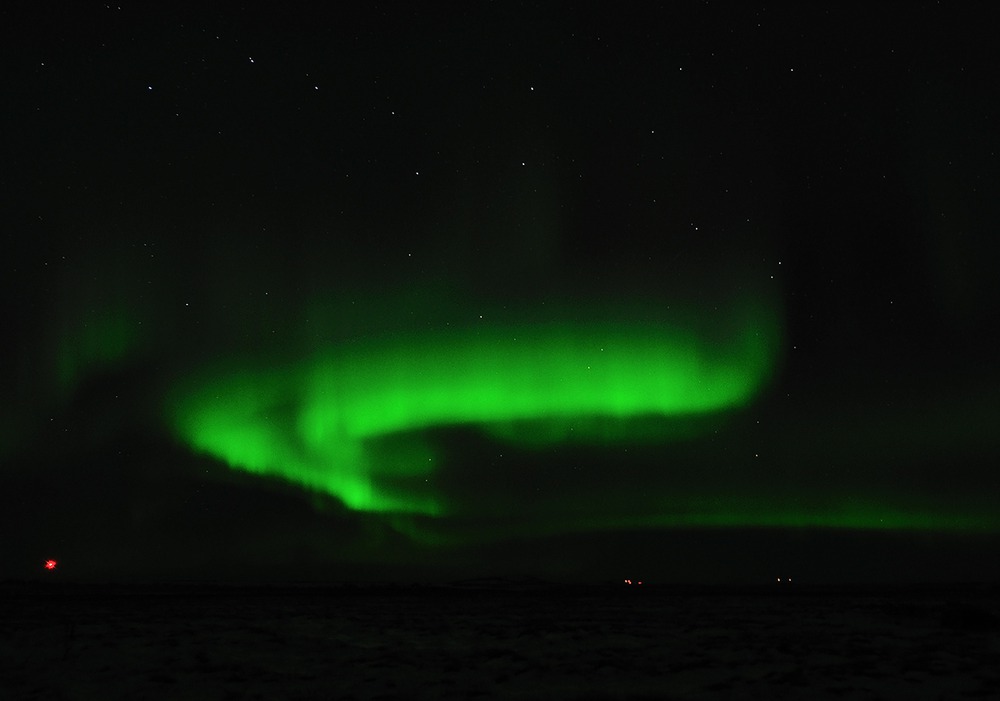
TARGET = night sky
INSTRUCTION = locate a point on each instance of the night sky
(703, 292)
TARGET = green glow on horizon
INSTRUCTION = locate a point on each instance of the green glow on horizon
(721, 513)
(343, 421)
(886, 512)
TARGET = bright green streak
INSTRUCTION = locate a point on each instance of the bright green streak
(333, 423)
(532, 374)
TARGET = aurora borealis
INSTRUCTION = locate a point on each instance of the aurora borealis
(548, 290)
(311, 425)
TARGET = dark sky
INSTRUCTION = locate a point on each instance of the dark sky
(704, 291)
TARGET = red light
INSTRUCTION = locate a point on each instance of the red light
(50, 564)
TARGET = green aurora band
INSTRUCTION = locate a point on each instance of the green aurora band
(356, 421)
(344, 421)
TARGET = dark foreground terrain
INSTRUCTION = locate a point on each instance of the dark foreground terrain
(491, 640)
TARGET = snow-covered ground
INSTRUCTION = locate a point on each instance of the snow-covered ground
(467, 643)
